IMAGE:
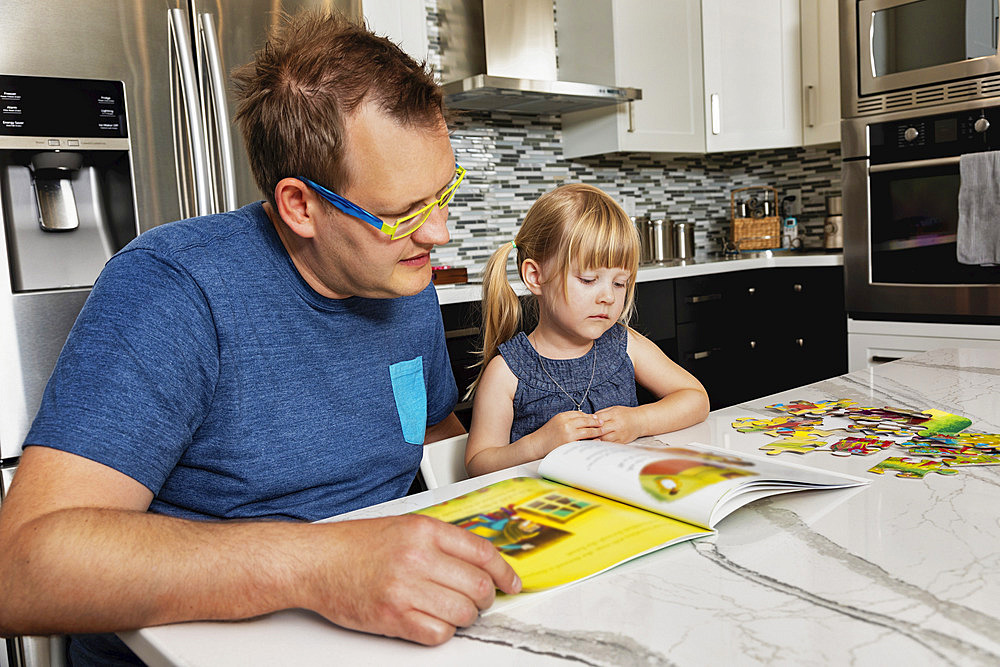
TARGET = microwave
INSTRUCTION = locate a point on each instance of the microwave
(901, 54)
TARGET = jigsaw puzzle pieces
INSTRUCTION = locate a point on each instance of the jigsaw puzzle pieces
(933, 441)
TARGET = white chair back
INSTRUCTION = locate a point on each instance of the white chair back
(444, 461)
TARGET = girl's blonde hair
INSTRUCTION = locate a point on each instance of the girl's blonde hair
(573, 223)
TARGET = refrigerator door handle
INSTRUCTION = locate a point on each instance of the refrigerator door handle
(184, 62)
(218, 104)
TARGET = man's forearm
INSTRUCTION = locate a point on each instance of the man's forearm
(95, 570)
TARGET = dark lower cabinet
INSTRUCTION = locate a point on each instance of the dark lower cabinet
(743, 334)
(461, 331)
(748, 334)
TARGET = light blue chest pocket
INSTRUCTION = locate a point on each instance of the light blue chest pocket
(411, 398)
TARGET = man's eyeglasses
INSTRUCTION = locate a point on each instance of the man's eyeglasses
(403, 226)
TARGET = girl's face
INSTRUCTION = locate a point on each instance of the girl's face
(590, 305)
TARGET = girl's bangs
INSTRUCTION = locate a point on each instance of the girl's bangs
(602, 240)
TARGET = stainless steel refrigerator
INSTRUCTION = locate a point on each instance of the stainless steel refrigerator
(114, 118)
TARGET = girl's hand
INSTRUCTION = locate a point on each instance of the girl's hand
(567, 427)
(621, 424)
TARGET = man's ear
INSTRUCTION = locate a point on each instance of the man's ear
(297, 206)
(531, 274)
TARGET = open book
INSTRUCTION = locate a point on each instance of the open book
(601, 504)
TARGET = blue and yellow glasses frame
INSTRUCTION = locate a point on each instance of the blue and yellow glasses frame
(403, 226)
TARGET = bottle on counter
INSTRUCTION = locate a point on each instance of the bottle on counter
(790, 234)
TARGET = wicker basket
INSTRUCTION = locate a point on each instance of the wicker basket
(750, 233)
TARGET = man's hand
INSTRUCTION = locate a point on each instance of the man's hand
(410, 576)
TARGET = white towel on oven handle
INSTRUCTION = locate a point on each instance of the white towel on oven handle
(978, 236)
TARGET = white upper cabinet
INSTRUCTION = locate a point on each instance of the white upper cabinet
(402, 21)
(820, 72)
(716, 75)
(752, 74)
(654, 45)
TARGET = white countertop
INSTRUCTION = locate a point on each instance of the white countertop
(465, 292)
(903, 571)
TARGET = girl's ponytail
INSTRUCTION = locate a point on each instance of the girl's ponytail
(501, 310)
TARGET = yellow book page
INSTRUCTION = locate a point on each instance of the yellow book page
(553, 534)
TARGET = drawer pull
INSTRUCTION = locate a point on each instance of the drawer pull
(751, 290)
(796, 287)
(702, 298)
(458, 333)
(883, 359)
(753, 345)
(702, 355)
(800, 342)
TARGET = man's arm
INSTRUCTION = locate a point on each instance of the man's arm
(448, 427)
(81, 554)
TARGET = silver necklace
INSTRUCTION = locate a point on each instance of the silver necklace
(579, 406)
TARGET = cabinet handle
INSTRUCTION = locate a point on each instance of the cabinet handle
(716, 114)
(458, 333)
(751, 290)
(631, 116)
(702, 355)
(800, 342)
(702, 298)
(810, 106)
(753, 345)
(796, 287)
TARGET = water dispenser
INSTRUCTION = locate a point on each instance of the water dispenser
(67, 204)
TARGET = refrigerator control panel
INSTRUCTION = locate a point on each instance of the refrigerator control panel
(38, 106)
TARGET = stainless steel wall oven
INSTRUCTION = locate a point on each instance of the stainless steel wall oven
(900, 196)
(920, 88)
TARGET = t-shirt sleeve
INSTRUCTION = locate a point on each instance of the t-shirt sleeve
(137, 373)
(442, 392)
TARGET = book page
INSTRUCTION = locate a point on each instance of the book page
(552, 534)
(694, 483)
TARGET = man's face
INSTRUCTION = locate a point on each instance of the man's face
(394, 170)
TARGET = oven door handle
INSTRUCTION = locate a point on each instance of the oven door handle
(915, 164)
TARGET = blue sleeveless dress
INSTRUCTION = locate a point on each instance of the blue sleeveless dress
(537, 398)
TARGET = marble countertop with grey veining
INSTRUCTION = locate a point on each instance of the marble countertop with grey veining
(902, 571)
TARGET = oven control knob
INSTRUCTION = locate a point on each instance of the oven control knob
(911, 133)
(981, 125)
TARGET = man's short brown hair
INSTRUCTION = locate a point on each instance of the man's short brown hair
(314, 71)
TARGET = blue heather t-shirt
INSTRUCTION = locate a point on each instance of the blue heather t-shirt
(204, 367)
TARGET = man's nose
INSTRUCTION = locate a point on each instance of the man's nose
(434, 231)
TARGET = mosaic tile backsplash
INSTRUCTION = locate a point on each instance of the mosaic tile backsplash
(512, 159)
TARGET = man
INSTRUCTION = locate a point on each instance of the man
(278, 362)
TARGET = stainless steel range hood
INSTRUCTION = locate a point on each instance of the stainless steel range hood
(500, 55)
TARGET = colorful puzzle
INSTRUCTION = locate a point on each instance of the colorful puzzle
(802, 442)
(934, 441)
(974, 460)
(864, 446)
(912, 468)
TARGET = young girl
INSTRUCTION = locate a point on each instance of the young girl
(573, 377)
